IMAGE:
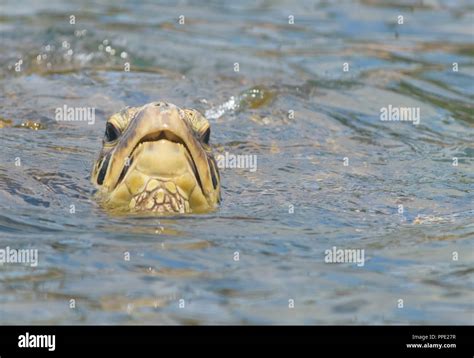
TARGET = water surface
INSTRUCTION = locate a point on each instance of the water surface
(308, 116)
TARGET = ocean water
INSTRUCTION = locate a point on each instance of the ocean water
(313, 80)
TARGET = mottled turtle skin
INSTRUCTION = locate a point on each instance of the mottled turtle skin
(157, 159)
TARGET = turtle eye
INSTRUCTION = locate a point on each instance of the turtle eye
(111, 132)
(206, 135)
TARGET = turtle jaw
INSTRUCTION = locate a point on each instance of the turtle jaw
(164, 153)
(164, 197)
(162, 178)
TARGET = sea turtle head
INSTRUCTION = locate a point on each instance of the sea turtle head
(157, 158)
